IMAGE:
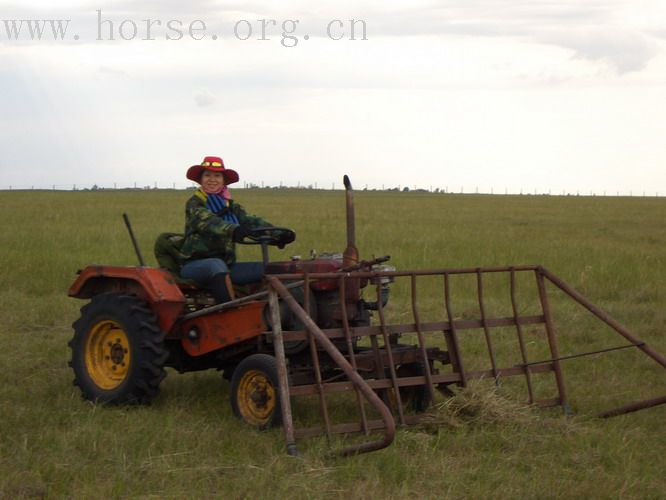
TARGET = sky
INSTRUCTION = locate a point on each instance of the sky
(469, 95)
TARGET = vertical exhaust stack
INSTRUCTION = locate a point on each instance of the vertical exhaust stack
(350, 255)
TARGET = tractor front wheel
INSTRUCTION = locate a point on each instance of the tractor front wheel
(414, 398)
(255, 396)
(118, 351)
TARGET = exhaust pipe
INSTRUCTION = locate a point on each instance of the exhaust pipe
(350, 255)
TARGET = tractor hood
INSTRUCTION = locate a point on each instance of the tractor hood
(325, 264)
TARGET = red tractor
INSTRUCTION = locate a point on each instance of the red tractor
(305, 331)
(140, 320)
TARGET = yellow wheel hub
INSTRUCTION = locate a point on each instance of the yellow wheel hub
(107, 354)
(256, 398)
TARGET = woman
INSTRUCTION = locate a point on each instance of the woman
(213, 224)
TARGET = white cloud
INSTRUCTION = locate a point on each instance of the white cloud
(204, 98)
(624, 51)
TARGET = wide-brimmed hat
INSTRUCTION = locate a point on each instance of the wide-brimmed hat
(214, 164)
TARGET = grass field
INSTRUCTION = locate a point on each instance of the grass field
(187, 444)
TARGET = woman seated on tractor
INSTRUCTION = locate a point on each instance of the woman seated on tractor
(213, 224)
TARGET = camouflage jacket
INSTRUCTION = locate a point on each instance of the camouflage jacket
(209, 235)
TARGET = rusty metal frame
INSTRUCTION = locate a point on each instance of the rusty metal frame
(389, 424)
(385, 378)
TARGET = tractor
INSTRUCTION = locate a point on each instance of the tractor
(316, 328)
(140, 320)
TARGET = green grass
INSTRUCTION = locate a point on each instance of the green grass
(187, 443)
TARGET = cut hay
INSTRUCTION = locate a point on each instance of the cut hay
(476, 404)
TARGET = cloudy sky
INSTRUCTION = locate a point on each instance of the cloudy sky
(501, 95)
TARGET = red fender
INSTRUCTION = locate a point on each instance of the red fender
(154, 285)
(222, 329)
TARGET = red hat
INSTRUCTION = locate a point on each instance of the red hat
(214, 164)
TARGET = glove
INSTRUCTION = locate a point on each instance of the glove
(239, 233)
(285, 238)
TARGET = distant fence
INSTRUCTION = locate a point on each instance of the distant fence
(335, 186)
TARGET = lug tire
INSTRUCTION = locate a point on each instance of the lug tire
(118, 351)
(255, 396)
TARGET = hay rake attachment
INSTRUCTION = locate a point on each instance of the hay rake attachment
(390, 379)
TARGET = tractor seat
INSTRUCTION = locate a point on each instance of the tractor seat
(167, 252)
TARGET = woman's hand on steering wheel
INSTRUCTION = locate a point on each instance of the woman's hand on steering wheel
(275, 236)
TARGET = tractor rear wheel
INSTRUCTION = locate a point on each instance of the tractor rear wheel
(255, 396)
(118, 351)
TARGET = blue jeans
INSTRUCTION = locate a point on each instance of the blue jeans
(201, 271)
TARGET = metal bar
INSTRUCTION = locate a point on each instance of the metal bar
(134, 242)
(426, 327)
(264, 253)
(354, 377)
(521, 339)
(379, 359)
(486, 331)
(314, 355)
(547, 403)
(332, 275)
(351, 353)
(236, 302)
(285, 401)
(573, 356)
(639, 405)
(453, 335)
(389, 353)
(350, 256)
(552, 341)
(510, 372)
(419, 272)
(351, 427)
(366, 274)
(441, 378)
(367, 264)
(603, 316)
(380, 372)
(349, 205)
(419, 334)
(306, 291)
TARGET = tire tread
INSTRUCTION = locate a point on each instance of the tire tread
(146, 341)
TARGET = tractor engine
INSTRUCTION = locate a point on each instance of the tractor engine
(325, 293)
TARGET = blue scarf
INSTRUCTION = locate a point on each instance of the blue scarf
(218, 205)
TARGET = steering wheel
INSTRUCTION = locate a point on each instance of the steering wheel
(268, 236)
